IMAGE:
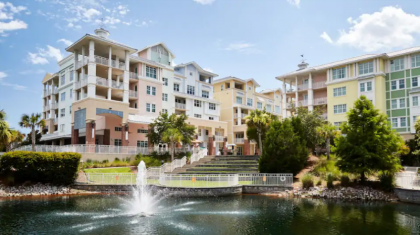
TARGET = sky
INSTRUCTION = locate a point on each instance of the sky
(258, 39)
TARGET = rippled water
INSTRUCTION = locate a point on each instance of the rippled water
(246, 214)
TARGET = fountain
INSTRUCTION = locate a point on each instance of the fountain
(142, 203)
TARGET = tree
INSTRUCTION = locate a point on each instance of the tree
(326, 132)
(164, 122)
(28, 139)
(172, 136)
(14, 141)
(4, 129)
(259, 120)
(369, 143)
(33, 122)
(311, 120)
(284, 149)
(252, 133)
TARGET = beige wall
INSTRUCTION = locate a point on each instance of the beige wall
(90, 104)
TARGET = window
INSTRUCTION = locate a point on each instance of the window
(205, 94)
(148, 90)
(151, 90)
(394, 104)
(71, 75)
(71, 93)
(415, 61)
(340, 91)
(340, 108)
(62, 112)
(63, 79)
(176, 87)
(414, 82)
(197, 115)
(70, 109)
(142, 131)
(395, 122)
(164, 111)
(399, 84)
(211, 118)
(403, 121)
(142, 144)
(277, 109)
(397, 64)
(415, 101)
(62, 127)
(197, 103)
(135, 105)
(221, 87)
(249, 88)
(118, 128)
(337, 125)
(212, 106)
(165, 81)
(366, 68)
(398, 103)
(259, 105)
(393, 85)
(164, 97)
(399, 122)
(268, 107)
(148, 107)
(190, 90)
(238, 100)
(63, 96)
(339, 73)
(153, 108)
(117, 142)
(402, 103)
(150, 72)
(249, 102)
(365, 86)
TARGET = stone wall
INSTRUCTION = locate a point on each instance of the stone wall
(109, 157)
(263, 189)
(408, 195)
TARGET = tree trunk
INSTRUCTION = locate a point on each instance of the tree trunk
(328, 148)
(362, 177)
(172, 151)
(260, 143)
(33, 139)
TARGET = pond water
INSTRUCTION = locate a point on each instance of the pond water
(245, 214)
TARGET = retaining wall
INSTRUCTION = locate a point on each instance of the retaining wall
(264, 188)
(408, 195)
(109, 157)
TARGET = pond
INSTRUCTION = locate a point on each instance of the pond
(245, 214)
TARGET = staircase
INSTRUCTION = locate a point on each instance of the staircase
(221, 165)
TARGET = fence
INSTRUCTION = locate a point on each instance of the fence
(202, 181)
(408, 180)
(266, 179)
(196, 156)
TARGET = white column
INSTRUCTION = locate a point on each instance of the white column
(75, 77)
(126, 77)
(310, 94)
(284, 99)
(110, 73)
(91, 71)
(296, 93)
(83, 60)
(239, 116)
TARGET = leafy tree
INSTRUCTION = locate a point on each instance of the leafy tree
(252, 132)
(4, 129)
(369, 143)
(259, 121)
(28, 140)
(164, 122)
(326, 132)
(14, 140)
(284, 149)
(311, 120)
(172, 136)
(33, 122)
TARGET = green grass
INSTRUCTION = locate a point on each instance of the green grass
(108, 170)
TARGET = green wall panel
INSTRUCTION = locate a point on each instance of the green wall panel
(387, 95)
(397, 75)
(387, 86)
(401, 129)
(415, 72)
(388, 113)
(408, 82)
(397, 94)
(398, 113)
(407, 73)
(388, 106)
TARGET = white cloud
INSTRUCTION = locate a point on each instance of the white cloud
(295, 3)
(205, 2)
(326, 37)
(7, 18)
(123, 10)
(14, 86)
(65, 41)
(35, 59)
(12, 25)
(2, 75)
(89, 14)
(208, 70)
(36, 71)
(41, 57)
(242, 47)
(389, 28)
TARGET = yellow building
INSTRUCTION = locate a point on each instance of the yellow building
(238, 97)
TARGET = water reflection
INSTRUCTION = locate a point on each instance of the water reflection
(246, 214)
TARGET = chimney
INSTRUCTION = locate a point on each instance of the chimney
(101, 32)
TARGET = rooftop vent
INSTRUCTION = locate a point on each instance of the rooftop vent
(302, 65)
(101, 32)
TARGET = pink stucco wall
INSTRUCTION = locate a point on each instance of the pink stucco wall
(133, 136)
(144, 98)
(111, 123)
(320, 93)
(320, 77)
(143, 54)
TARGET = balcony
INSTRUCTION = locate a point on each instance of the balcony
(105, 61)
(291, 90)
(47, 92)
(81, 83)
(55, 90)
(84, 60)
(132, 94)
(303, 103)
(101, 81)
(320, 101)
(180, 106)
(55, 121)
(324, 116)
(134, 75)
(242, 115)
(46, 107)
(239, 140)
(218, 138)
(303, 87)
(290, 105)
(54, 105)
(116, 85)
(318, 85)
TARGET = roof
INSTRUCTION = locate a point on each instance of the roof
(200, 69)
(146, 61)
(162, 44)
(48, 76)
(265, 91)
(235, 78)
(71, 47)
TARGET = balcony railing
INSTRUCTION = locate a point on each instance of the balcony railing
(180, 105)
(55, 121)
(132, 94)
(81, 83)
(303, 103)
(116, 85)
(320, 101)
(325, 116)
(84, 60)
(134, 75)
(55, 90)
(46, 107)
(242, 115)
(302, 87)
(54, 105)
(101, 81)
(218, 138)
(47, 92)
(239, 140)
(291, 90)
(318, 85)
(105, 61)
(290, 105)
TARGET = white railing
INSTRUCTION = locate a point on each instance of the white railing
(55, 121)
(180, 105)
(101, 81)
(289, 105)
(291, 90)
(320, 101)
(55, 90)
(132, 93)
(303, 103)
(46, 107)
(411, 169)
(324, 116)
(118, 178)
(83, 61)
(239, 140)
(242, 115)
(198, 181)
(47, 92)
(197, 155)
(408, 180)
(54, 105)
(101, 60)
(121, 66)
(81, 83)
(318, 85)
(218, 138)
(266, 179)
(134, 75)
(302, 87)
(119, 85)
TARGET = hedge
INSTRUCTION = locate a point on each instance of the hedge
(54, 168)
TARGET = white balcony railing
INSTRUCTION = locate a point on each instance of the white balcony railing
(180, 105)
(46, 107)
(117, 85)
(241, 115)
(218, 138)
(324, 116)
(81, 83)
(54, 105)
(47, 92)
(290, 105)
(105, 61)
(55, 121)
(132, 94)
(320, 101)
(134, 75)
(101, 81)
(303, 103)
(318, 85)
(302, 87)
(83, 61)
(55, 90)
(239, 140)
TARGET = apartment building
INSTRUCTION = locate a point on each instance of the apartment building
(238, 97)
(115, 91)
(389, 80)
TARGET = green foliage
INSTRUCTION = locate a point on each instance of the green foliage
(411, 158)
(149, 161)
(345, 180)
(369, 143)
(172, 136)
(327, 132)
(311, 120)
(55, 168)
(387, 180)
(307, 181)
(284, 149)
(28, 139)
(319, 183)
(32, 122)
(324, 167)
(258, 122)
(330, 180)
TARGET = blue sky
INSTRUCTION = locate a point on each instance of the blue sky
(257, 39)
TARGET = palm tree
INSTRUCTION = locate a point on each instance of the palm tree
(326, 132)
(16, 137)
(172, 136)
(258, 119)
(33, 122)
(4, 128)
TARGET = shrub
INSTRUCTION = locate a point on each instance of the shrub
(345, 180)
(149, 161)
(324, 167)
(319, 183)
(307, 181)
(387, 180)
(330, 180)
(55, 168)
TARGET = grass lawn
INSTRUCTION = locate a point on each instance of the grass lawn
(108, 170)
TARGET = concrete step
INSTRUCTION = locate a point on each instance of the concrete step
(218, 173)
(227, 165)
(222, 169)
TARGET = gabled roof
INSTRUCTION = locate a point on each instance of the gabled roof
(265, 91)
(162, 44)
(198, 67)
(48, 76)
(106, 40)
(237, 79)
